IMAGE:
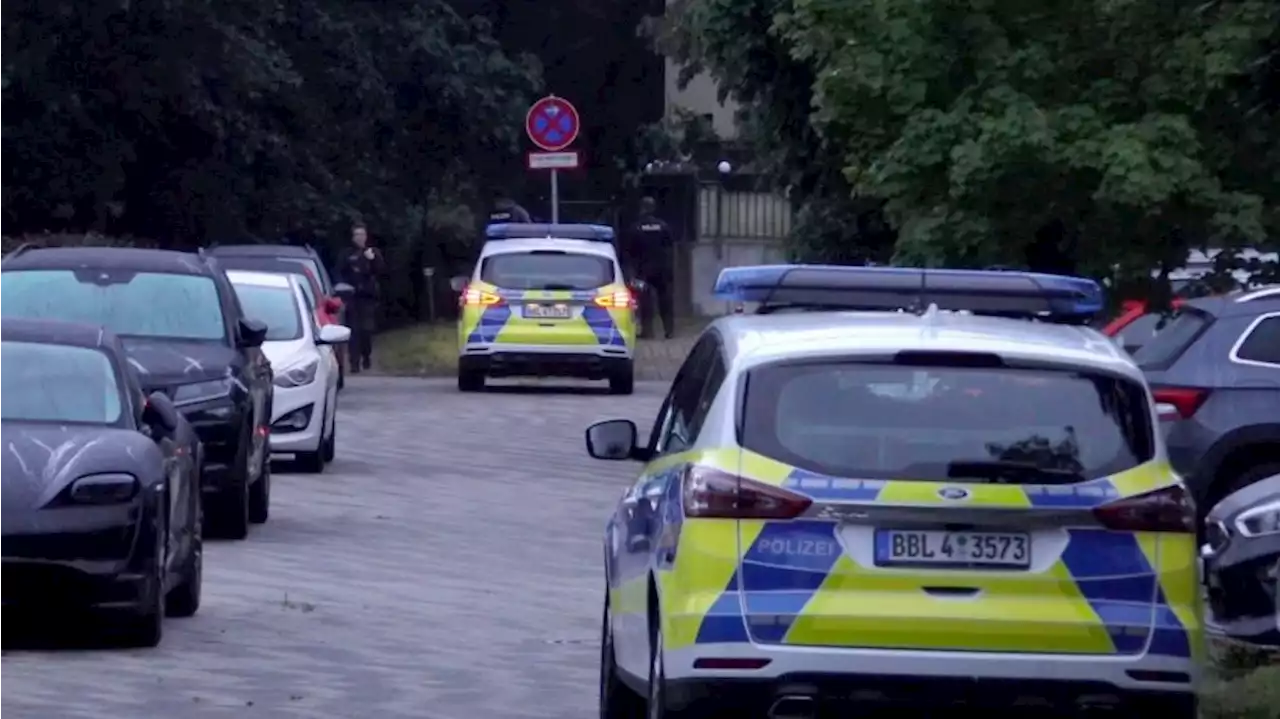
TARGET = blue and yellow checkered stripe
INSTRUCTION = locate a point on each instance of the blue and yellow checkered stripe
(599, 325)
(1113, 593)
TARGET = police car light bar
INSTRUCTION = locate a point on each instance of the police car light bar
(529, 230)
(994, 292)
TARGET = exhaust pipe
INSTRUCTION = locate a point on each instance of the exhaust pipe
(796, 706)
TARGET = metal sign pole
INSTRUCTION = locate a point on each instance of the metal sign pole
(555, 197)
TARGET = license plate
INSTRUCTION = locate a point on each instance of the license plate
(548, 312)
(895, 547)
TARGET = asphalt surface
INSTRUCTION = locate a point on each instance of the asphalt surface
(446, 565)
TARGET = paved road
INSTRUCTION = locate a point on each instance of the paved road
(446, 566)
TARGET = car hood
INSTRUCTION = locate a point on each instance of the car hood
(164, 363)
(1246, 498)
(287, 353)
(41, 459)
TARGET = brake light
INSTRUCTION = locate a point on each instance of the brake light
(618, 299)
(478, 298)
(1164, 510)
(1174, 403)
(711, 493)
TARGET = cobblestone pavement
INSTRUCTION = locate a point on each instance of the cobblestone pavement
(446, 566)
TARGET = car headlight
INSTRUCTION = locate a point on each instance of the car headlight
(298, 375)
(1263, 519)
(104, 489)
(198, 392)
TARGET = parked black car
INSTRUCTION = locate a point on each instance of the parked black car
(1242, 562)
(187, 336)
(101, 502)
(1214, 371)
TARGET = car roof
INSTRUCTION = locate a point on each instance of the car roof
(260, 279)
(263, 250)
(753, 340)
(110, 258)
(1249, 302)
(536, 244)
(269, 265)
(78, 334)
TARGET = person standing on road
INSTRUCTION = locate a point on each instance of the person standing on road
(361, 267)
(505, 209)
(649, 251)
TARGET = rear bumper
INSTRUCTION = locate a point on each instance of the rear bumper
(921, 678)
(585, 361)
(839, 695)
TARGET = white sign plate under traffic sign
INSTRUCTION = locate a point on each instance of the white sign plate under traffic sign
(553, 160)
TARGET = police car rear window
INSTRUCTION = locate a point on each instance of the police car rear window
(947, 423)
(547, 270)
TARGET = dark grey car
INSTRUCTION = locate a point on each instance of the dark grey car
(1214, 371)
(1242, 562)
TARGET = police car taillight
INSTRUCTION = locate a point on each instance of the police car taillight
(713, 494)
(478, 298)
(617, 299)
(1164, 510)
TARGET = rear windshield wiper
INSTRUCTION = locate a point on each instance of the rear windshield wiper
(1006, 471)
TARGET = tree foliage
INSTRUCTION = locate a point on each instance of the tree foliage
(1076, 134)
(190, 120)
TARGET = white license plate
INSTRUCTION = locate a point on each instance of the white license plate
(895, 547)
(548, 312)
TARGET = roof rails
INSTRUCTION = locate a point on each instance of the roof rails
(1259, 293)
(20, 249)
(1006, 293)
(530, 230)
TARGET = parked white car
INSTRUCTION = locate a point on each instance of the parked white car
(305, 365)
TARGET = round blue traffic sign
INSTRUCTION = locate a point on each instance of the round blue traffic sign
(552, 123)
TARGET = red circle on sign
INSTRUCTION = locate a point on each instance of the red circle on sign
(552, 123)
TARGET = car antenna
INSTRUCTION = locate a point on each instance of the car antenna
(769, 295)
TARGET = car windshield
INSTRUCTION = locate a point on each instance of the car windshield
(58, 383)
(276, 306)
(131, 304)
(1140, 331)
(884, 421)
(312, 266)
(547, 270)
(1171, 340)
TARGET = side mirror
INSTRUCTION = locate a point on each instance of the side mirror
(333, 335)
(332, 305)
(252, 332)
(159, 414)
(458, 283)
(613, 439)
(342, 289)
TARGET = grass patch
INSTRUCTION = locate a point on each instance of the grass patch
(1245, 682)
(417, 350)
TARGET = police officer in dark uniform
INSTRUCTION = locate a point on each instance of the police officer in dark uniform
(650, 251)
(505, 209)
(360, 267)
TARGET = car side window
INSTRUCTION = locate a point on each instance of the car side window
(681, 423)
(1262, 344)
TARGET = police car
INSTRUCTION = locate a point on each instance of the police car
(547, 301)
(954, 494)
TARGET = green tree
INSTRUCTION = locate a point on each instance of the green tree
(1115, 132)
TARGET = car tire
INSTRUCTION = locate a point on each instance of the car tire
(617, 700)
(313, 462)
(231, 506)
(329, 448)
(184, 599)
(623, 379)
(260, 494)
(144, 628)
(1250, 476)
(470, 381)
